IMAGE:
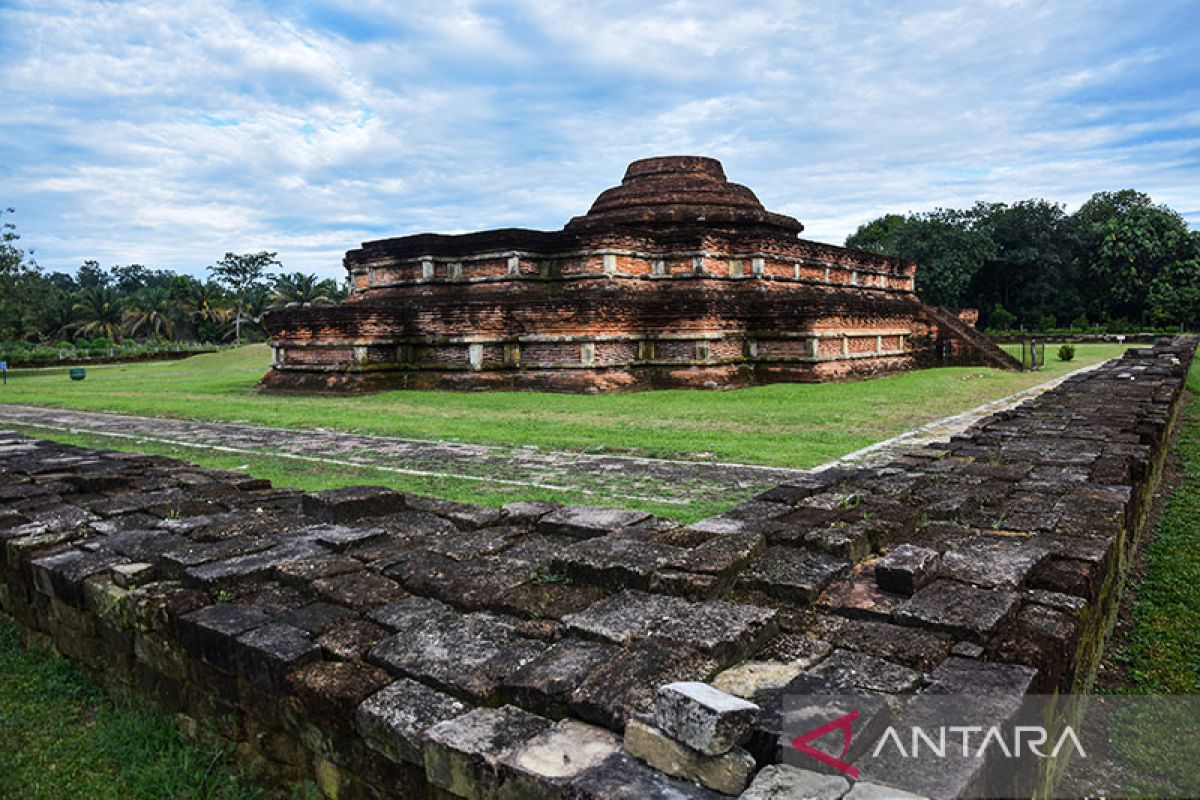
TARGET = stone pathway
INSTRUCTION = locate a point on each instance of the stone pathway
(608, 478)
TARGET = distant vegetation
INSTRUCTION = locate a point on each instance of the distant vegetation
(98, 309)
(1119, 263)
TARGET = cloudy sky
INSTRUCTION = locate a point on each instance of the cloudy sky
(166, 133)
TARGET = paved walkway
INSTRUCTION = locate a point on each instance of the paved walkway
(608, 478)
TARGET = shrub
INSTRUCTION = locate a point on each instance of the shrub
(1047, 322)
(1066, 352)
(1081, 322)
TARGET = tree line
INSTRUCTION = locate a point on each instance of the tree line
(137, 302)
(1119, 262)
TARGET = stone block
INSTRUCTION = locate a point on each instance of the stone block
(627, 683)
(351, 640)
(350, 503)
(332, 691)
(315, 618)
(783, 782)
(304, 571)
(468, 655)
(958, 609)
(906, 568)
(723, 631)
(358, 590)
(340, 537)
(865, 790)
(704, 718)
(464, 515)
(721, 554)
(992, 561)
(470, 544)
(473, 584)
(751, 679)
(849, 541)
(462, 755)
(393, 721)
(966, 676)
(527, 512)
(809, 702)
(131, 576)
(848, 668)
(545, 684)
(791, 574)
(543, 767)
(918, 649)
(585, 522)
(62, 575)
(242, 567)
(623, 777)
(728, 773)
(211, 632)
(267, 653)
(612, 563)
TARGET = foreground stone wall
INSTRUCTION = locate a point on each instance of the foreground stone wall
(384, 644)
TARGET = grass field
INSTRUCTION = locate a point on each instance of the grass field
(789, 425)
(61, 737)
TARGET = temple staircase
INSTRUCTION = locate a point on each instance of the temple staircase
(990, 353)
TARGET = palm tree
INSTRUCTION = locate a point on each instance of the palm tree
(151, 311)
(305, 290)
(56, 316)
(200, 308)
(98, 311)
(206, 303)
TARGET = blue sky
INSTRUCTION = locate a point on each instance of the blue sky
(166, 133)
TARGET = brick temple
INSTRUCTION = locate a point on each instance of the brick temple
(674, 278)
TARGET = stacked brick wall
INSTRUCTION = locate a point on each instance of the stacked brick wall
(378, 642)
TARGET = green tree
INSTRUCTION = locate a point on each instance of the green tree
(305, 290)
(1130, 245)
(241, 273)
(204, 306)
(1174, 297)
(950, 247)
(877, 234)
(91, 275)
(55, 314)
(99, 313)
(150, 312)
(1032, 268)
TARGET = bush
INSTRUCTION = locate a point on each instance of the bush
(1066, 352)
(1081, 322)
(1047, 322)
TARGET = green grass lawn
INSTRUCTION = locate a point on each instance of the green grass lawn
(61, 737)
(789, 425)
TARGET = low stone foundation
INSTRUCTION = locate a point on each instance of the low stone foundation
(384, 644)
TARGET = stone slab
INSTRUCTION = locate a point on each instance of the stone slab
(394, 720)
(704, 718)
